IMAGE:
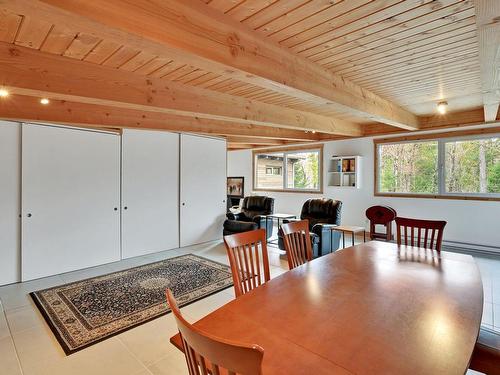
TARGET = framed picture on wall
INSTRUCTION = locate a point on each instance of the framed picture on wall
(235, 187)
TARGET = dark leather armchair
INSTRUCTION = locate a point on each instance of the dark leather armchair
(252, 216)
(322, 214)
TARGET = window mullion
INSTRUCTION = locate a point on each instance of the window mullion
(441, 167)
(285, 170)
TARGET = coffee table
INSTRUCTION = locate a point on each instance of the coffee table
(349, 229)
(278, 217)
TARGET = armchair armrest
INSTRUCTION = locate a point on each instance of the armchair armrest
(320, 227)
(258, 218)
(239, 216)
(285, 221)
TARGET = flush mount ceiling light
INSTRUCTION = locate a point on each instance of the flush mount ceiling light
(44, 101)
(3, 93)
(442, 107)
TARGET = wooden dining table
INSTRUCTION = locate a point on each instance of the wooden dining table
(374, 308)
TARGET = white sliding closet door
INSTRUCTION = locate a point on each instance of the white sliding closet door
(70, 199)
(150, 192)
(203, 189)
(10, 206)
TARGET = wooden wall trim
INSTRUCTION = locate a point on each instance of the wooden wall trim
(438, 196)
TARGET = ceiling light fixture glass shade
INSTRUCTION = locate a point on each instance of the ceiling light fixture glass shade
(3, 93)
(44, 101)
(442, 107)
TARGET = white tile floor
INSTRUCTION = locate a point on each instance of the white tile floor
(28, 347)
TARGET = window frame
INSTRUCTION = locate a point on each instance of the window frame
(286, 151)
(441, 139)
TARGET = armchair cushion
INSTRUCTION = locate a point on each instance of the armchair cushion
(325, 211)
(257, 205)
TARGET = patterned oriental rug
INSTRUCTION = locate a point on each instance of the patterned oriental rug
(85, 312)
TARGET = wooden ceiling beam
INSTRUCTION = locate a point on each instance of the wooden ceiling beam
(26, 108)
(237, 147)
(492, 103)
(192, 33)
(450, 120)
(30, 72)
(488, 30)
(255, 141)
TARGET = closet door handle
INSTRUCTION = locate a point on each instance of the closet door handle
(125, 207)
(29, 215)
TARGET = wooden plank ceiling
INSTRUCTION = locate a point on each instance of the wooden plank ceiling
(408, 55)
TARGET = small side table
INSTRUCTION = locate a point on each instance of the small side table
(278, 217)
(349, 229)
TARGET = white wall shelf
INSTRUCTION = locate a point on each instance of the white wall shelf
(344, 171)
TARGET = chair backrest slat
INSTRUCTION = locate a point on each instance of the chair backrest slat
(203, 365)
(297, 241)
(256, 264)
(436, 228)
(248, 258)
(248, 272)
(206, 354)
(215, 370)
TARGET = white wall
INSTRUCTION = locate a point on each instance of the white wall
(476, 222)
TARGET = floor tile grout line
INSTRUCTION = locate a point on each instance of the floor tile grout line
(162, 358)
(134, 356)
(492, 305)
(13, 342)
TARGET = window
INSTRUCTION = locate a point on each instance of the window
(441, 167)
(291, 170)
(409, 167)
(472, 166)
(273, 171)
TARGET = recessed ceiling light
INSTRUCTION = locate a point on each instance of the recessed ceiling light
(44, 101)
(442, 107)
(3, 93)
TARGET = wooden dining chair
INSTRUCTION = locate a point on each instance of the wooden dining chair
(207, 354)
(297, 242)
(249, 266)
(414, 229)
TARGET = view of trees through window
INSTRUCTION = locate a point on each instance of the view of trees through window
(305, 171)
(409, 167)
(471, 166)
(294, 170)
